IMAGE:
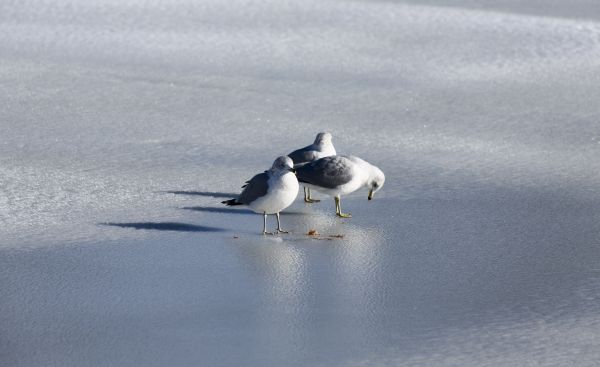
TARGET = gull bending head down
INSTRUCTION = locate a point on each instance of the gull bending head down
(340, 175)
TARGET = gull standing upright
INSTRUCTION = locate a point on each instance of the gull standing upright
(322, 147)
(270, 192)
(340, 175)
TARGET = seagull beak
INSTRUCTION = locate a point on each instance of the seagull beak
(371, 194)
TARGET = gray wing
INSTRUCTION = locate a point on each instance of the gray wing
(254, 189)
(303, 155)
(328, 172)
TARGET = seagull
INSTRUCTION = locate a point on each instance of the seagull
(340, 175)
(270, 192)
(322, 147)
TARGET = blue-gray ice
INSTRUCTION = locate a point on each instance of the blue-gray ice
(124, 123)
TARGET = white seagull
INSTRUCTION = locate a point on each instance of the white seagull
(340, 175)
(270, 192)
(322, 147)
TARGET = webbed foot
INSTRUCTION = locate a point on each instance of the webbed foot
(310, 201)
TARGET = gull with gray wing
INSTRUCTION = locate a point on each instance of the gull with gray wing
(322, 147)
(340, 175)
(270, 192)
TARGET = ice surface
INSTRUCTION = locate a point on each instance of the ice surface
(123, 124)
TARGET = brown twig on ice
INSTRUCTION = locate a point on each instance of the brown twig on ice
(317, 236)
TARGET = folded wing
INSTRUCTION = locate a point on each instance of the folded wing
(329, 172)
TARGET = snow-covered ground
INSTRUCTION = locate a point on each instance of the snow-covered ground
(124, 123)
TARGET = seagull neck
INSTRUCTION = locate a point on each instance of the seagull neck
(276, 172)
(322, 143)
(370, 173)
(325, 147)
(363, 170)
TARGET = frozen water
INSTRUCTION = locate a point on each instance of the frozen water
(124, 123)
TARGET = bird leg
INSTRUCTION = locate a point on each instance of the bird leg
(307, 198)
(279, 225)
(265, 224)
(338, 209)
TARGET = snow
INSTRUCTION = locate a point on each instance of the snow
(123, 125)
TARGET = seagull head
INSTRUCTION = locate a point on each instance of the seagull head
(283, 164)
(323, 138)
(376, 181)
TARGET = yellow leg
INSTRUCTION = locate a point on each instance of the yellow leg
(307, 198)
(311, 199)
(338, 209)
